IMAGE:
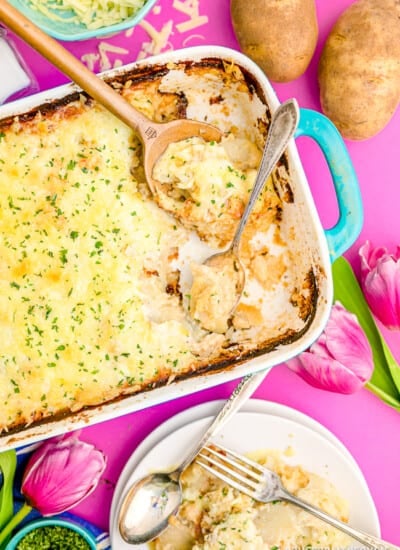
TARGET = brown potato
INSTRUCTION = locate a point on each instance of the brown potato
(279, 35)
(359, 69)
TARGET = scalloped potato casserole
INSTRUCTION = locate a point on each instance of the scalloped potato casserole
(96, 273)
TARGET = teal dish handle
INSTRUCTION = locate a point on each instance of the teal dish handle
(344, 233)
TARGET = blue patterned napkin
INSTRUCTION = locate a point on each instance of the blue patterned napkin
(102, 538)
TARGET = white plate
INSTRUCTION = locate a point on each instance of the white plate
(261, 425)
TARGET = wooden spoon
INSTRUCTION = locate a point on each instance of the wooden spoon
(155, 137)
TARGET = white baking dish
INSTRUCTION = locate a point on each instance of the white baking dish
(317, 246)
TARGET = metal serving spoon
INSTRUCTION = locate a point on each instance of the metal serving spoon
(155, 137)
(282, 128)
(152, 500)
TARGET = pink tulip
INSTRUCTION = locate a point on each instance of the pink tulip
(380, 281)
(341, 359)
(61, 473)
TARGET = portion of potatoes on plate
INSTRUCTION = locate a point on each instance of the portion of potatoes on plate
(214, 516)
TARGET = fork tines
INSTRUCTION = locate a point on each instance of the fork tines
(234, 469)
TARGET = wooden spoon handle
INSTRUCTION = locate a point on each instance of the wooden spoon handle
(74, 69)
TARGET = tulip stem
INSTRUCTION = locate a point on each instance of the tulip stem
(14, 521)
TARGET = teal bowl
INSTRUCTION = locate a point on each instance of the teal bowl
(69, 31)
(39, 523)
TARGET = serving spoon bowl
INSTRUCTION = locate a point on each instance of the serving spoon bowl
(155, 136)
(228, 263)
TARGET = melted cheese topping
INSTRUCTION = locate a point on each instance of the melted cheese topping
(94, 293)
(75, 237)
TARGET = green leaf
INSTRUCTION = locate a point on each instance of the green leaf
(385, 381)
(8, 465)
(388, 399)
(392, 363)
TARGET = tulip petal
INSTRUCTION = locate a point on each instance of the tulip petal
(61, 473)
(341, 359)
(381, 290)
(370, 256)
(326, 374)
(380, 280)
(348, 344)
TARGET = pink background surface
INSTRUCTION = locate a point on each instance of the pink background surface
(365, 425)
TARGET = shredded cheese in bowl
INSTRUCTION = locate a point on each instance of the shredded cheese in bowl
(94, 14)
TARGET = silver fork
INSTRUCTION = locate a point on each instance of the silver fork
(264, 485)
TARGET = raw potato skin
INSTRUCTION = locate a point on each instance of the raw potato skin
(359, 69)
(279, 35)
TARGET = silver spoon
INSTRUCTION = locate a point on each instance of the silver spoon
(227, 263)
(155, 136)
(152, 500)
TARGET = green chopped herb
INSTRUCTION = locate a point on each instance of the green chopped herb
(53, 537)
(63, 256)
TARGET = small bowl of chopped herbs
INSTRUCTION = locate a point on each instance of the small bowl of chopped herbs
(52, 534)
